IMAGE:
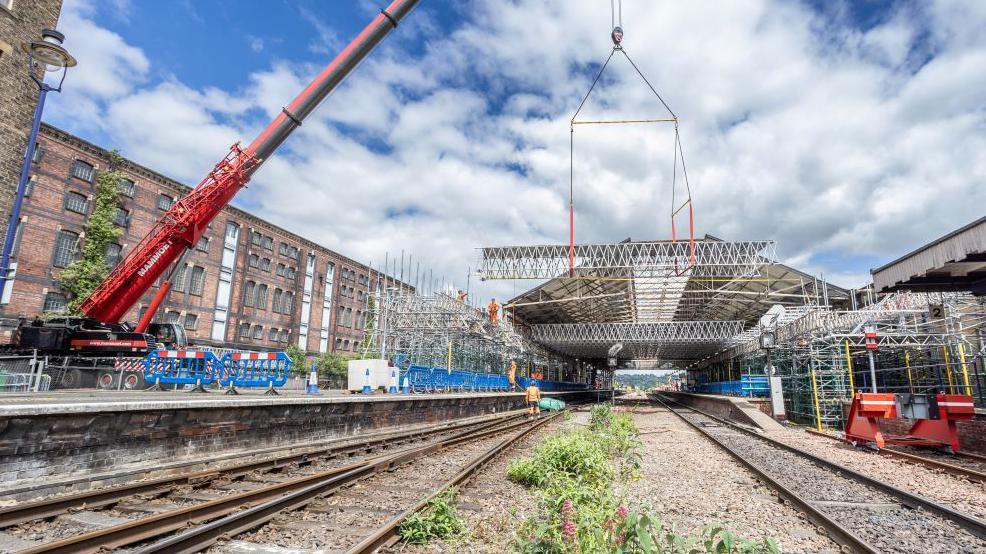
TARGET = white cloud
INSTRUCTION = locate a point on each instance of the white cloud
(833, 141)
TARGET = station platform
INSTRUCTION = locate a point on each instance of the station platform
(58, 433)
(733, 408)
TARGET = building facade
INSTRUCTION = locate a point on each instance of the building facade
(20, 21)
(248, 284)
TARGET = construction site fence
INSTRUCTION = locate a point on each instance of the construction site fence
(202, 368)
(747, 385)
(427, 379)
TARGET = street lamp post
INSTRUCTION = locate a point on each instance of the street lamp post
(49, 54)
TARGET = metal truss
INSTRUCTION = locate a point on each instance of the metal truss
(664, 340)
(714, 258)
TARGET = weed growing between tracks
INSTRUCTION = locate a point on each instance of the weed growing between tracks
(438, 520)
(573, 475)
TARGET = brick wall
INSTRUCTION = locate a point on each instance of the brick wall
(34, 446)
(972, 433)
(18, 93)
(265, 255)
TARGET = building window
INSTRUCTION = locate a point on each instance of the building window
(290, 272)
(256, 238)
(191, 322)
(198, 281)
(112, 254)
(75, 202)
(258, 331)
(121, 217)
(66, 248)
(172, 317)
(274, 334)
(268, 244)
(287, 303)
(179, 281)
(285, 335)
(164, 202)
(82, 170)
(248, 292)
(265, 264)
(244, 330)
(254, 260)
(54, 302)
(345, 344)
(127, 187)
(283, 250)
(280, 270)
(275, 303)
(203, 244)
(36, 156)
(261, 300)
(338, 344)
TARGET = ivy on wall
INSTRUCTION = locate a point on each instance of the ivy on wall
(82, 276)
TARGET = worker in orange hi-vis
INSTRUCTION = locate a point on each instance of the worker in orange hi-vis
(462, 296)
(512, 375)
(533, 396)
(494, 310)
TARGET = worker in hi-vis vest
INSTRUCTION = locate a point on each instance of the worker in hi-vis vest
(494, 310)
(533, 396)
(512, 375)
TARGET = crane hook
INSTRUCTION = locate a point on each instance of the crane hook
(617, 36)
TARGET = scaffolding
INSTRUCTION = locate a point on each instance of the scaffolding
(438, 330)
(925, 343)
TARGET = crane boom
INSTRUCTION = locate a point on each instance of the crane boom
(181, 226)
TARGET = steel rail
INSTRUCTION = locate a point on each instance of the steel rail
(235, 520)
(839, 533)
(49, 507)
(960, 471)
(970, 523)
(387, 534)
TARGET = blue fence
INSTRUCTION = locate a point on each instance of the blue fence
(420, 379)
(200, 368)
(255, 369)
(180, 367)
(747, 385)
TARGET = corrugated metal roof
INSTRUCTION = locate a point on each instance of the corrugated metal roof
(953, 248)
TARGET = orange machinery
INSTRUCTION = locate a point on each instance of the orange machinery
(934, 414)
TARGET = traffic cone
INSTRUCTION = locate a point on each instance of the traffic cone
(392, 389)
(312, 381)
(367, 389)
(406, 389)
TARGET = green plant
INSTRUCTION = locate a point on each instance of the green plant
(82, 276)
(572, 472)
(437, 520)
(575, 454)
(299, 361)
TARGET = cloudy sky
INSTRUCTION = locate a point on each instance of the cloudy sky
(849, 132)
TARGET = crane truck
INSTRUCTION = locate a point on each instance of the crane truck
(100, 332)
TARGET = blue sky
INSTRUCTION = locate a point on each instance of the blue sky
(850, 132)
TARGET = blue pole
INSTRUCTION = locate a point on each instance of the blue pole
(15, 210)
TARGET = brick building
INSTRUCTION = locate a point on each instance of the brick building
(248, 284)
(20, 21)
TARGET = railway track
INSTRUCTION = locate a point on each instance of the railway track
(961, 464)
(859, 512)
(120, 515)
(366, 505)
(246, 504)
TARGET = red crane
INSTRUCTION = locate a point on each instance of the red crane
(180, 228)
